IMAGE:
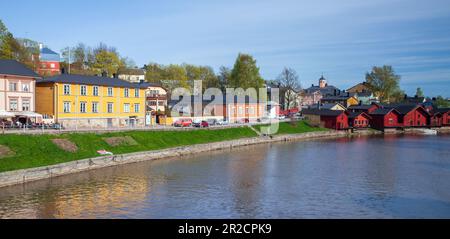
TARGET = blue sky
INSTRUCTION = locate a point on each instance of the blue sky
(342, 39)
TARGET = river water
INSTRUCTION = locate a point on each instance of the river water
(364, 177)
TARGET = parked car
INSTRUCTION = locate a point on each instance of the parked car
(244, 121)
(282, 117)
(212, 122)
(201, 124)
(222, 122)
(183, 123)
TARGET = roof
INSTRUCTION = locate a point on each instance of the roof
(383, 111)
(131, 72)
(12, 67)
(46, 50)
(325, 106)
(353, 115)
(322, 112)
(327, 90)
(48, 55)
(404, 108)
(92, 80)
(339, 97)
(360, 107)
(442, 110)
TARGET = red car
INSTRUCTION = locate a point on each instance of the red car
(203, 124)
(183, 123)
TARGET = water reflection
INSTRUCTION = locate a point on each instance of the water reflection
(363, 177)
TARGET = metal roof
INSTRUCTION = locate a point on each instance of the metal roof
(13, 67)
(92, 80)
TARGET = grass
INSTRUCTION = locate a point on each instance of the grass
(31, 151)
(294, 128)
(38, 150)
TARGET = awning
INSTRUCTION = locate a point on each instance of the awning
(28, 114)
(6, 114)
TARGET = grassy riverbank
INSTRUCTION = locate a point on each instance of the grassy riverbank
(30, 151)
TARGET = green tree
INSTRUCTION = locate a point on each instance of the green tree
(175, 76)
(419, 92)
(202, 73)
(441, 102)
(224, 77)
(245, 73)
(384, 83)
(107, 61)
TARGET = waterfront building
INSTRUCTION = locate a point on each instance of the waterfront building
(359, 88)
(156, 103)
(445, 116)
(385, 118)
(359, 120)
(412, 115)
(328, 106)
(332, 119)
(49, 61)
(77, 101)
(132, 75)
(364, 108)
(345, 99)
(18, 91)
(235, 110)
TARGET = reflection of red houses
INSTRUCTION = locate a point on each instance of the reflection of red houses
(359, 120)
(385, 118)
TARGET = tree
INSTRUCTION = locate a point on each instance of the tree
(245, 73)
(224, 77)
(202, 73)
(384, 83)
(419, 92)
(289, 86)
(441, 102)
(175, 76)
(155, 73)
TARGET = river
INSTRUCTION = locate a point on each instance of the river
(362, 177)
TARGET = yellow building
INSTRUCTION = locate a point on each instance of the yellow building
(77, 101)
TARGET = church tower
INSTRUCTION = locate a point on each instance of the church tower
(322, 82)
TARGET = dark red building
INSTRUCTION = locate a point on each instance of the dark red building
(359, 120)
(383, 118)
(413, 116)
(364, 108)
(331, 119)
(445, 116)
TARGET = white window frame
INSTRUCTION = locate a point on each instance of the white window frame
(137, 108)
(83, 109)
(83, 92)
(110, 91)
(95, 107)
(66, 109)
(95, 90)
(136, 93)
(126, 108)
(16, 104)
(126, 92)
(66, 91)
(23, 104)
(110, 107)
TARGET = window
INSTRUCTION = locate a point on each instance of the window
(12, 86)
(94, 107)
(83, 107)
(241, 111)
(137, 108)
(110, 91)
(126, 108)
(152, 103)
(136, 93)
(391, 121)
(110, 107)
(161, 103)
(95, 90)
(67, 107)
(13, 105)
(251, 110)
(83, 90)
(126, 92)
(25, 104)
(66, 89)
(25, 87)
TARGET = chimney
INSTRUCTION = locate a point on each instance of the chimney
(141, 81)
(115, 75)
(335, 92)
(63, 71)
(360, 102)
(104, 74)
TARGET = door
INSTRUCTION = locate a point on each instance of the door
(109, 123)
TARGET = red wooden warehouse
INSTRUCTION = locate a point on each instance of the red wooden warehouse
(332, 119)
(413, 115)
(359, 120)
(384, 118)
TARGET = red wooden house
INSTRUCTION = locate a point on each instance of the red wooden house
(332, 119)
(384, 118)
(445, 116)
(359, 120)
(413, 115)
(364, 108)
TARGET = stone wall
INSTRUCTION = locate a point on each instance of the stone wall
(28, 175)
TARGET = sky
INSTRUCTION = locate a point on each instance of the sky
(341, 39)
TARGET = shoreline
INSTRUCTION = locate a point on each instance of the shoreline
(23, 176)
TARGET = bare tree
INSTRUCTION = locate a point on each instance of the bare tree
(289, 87)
